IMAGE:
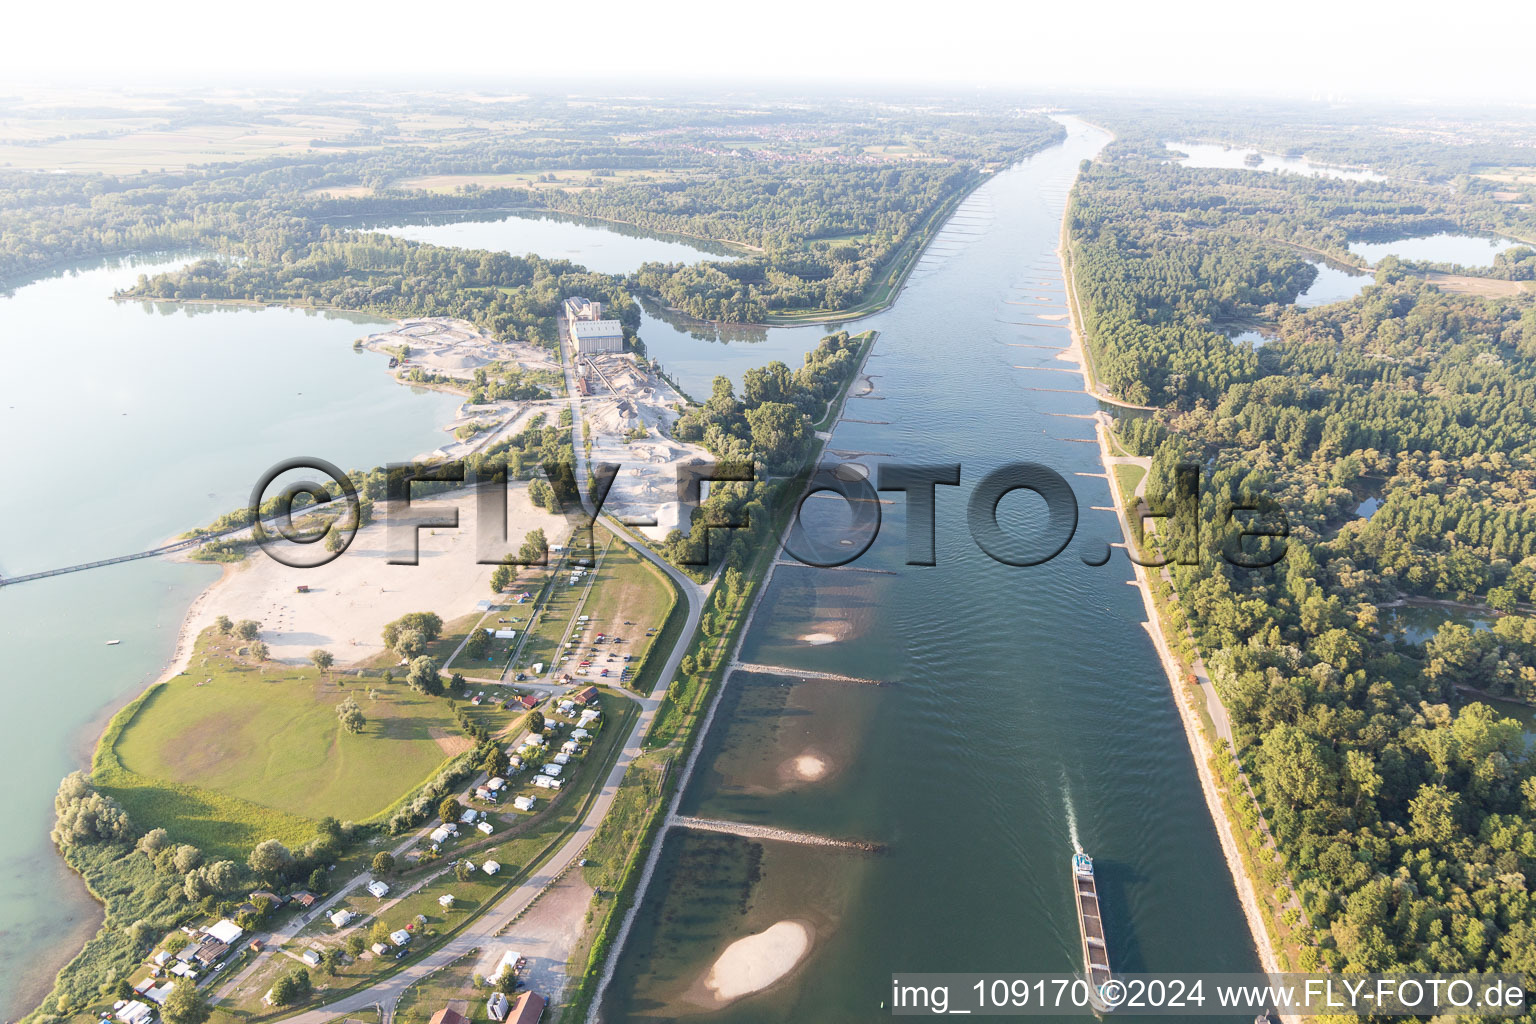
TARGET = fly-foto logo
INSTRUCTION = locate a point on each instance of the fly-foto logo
(1254, 530)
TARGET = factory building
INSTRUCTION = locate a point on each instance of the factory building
(590, 333)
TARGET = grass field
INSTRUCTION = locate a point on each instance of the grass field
(1128, 478)
(629, 589)
(232, 753)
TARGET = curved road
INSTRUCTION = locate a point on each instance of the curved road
(482, 931)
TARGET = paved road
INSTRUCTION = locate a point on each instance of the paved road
(482, 931)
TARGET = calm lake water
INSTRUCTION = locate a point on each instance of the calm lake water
(1417, 623)
(693, 354)
(1467, 250)
(597, 245)
(1027, 708)
(1256, 338)
(1204, 154)
(1333, 284)
(127, 423)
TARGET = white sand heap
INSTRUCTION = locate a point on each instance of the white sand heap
(455, 348)
(646, 486)
(752, 964)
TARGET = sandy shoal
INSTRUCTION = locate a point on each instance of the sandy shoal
(809, 767)
(753, 963)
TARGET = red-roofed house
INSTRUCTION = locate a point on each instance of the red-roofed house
(528, 1009)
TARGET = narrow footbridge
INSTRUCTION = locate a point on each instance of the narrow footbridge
(167, 549)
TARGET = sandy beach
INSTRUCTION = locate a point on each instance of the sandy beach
(753, 963)
(351, 598)
(1194, 733)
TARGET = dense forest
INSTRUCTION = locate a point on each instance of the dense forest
(820, 196)
(1404, 808)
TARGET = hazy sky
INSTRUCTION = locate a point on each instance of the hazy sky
(1346, 48)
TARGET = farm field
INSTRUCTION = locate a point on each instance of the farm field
(232, 752)
(564, 179)
(130, 145)
(1486, 286)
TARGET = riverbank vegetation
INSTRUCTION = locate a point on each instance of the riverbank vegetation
(768, 428)
(1402, 807)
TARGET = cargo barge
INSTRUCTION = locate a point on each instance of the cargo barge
(1090, 925)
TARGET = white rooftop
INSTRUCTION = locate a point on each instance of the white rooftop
(226, 931)
(596, 329)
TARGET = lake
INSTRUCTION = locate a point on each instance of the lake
(1417, 623)
(603, 246)
(1333, 284)
(127, 423)
(694, 353)
(1205, 154)
(1250, 336)
(1026, 708)
(1466, 250)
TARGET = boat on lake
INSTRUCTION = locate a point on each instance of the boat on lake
(1090, 926)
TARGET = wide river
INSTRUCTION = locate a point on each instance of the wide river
(1026, 707)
